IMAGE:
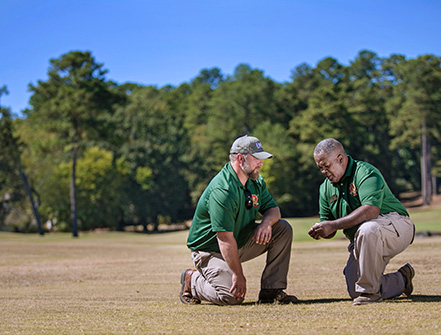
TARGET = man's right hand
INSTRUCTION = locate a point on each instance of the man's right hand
(322, 229)
(230, 253)
(239, 288)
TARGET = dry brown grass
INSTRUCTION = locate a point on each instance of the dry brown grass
(125, 283)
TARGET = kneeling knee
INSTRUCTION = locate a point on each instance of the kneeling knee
(286, 228)
(228, 299)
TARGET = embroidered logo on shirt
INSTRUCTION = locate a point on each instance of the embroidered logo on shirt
(332, 198)
(353, 190)
(255, 200)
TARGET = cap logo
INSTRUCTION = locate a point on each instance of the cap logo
(259, 145)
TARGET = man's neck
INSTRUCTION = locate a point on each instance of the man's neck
(243, 177)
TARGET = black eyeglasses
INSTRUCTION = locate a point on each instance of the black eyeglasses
(248, 199)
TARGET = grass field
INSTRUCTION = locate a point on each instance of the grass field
(128, 283)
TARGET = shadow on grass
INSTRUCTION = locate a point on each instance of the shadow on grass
(413, 298)
(417, 298)
(305, 302)
(322, 301)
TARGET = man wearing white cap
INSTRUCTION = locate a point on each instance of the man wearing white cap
(224, 234)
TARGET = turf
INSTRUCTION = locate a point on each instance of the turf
(128, 283)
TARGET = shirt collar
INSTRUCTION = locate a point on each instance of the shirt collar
(234, 174)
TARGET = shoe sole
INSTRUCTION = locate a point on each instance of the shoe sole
(182, 287)
(412, 274)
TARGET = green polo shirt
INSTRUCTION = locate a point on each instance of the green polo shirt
(221, 208)
(362, 184)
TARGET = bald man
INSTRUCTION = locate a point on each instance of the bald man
(355, 198)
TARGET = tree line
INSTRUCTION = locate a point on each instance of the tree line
(91, 153)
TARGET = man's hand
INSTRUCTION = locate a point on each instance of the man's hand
(230, 253)
(263, 233)
(322, 229)
(239, 287)
(264, 230)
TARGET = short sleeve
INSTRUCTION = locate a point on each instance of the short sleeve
(324, 209)
(371, 189)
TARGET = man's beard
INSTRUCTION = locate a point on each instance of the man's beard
(250, 173)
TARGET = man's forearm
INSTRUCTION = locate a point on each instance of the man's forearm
(229, 251)
(327, 229)
(271, 216)
(361, 214)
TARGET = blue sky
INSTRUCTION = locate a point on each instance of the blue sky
(168, 41)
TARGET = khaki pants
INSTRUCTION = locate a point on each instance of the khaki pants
(376, 243)
(213, 280)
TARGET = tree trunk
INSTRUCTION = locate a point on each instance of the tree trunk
(73, 192)
(24, 179)
(429, 171)
(425, 176)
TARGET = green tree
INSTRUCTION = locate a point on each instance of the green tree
(365, 99)
(346, 103)
(414, 113)
(72, 103)
(283, 173)
(321, 113)
(195, 102)
(326, 114)
(11, 166)
(213, 77)
(153, 140)
(100, 183)
(236, 107)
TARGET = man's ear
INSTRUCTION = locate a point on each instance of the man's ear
(340, 158)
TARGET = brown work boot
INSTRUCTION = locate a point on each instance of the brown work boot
(408, 273)
(278, 296)
(366, 298)
(185, 294)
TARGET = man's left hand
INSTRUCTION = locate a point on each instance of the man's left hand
(263, 233)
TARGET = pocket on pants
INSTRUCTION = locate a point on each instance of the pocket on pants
(402, 235)
(404, 226)
(386, 223)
